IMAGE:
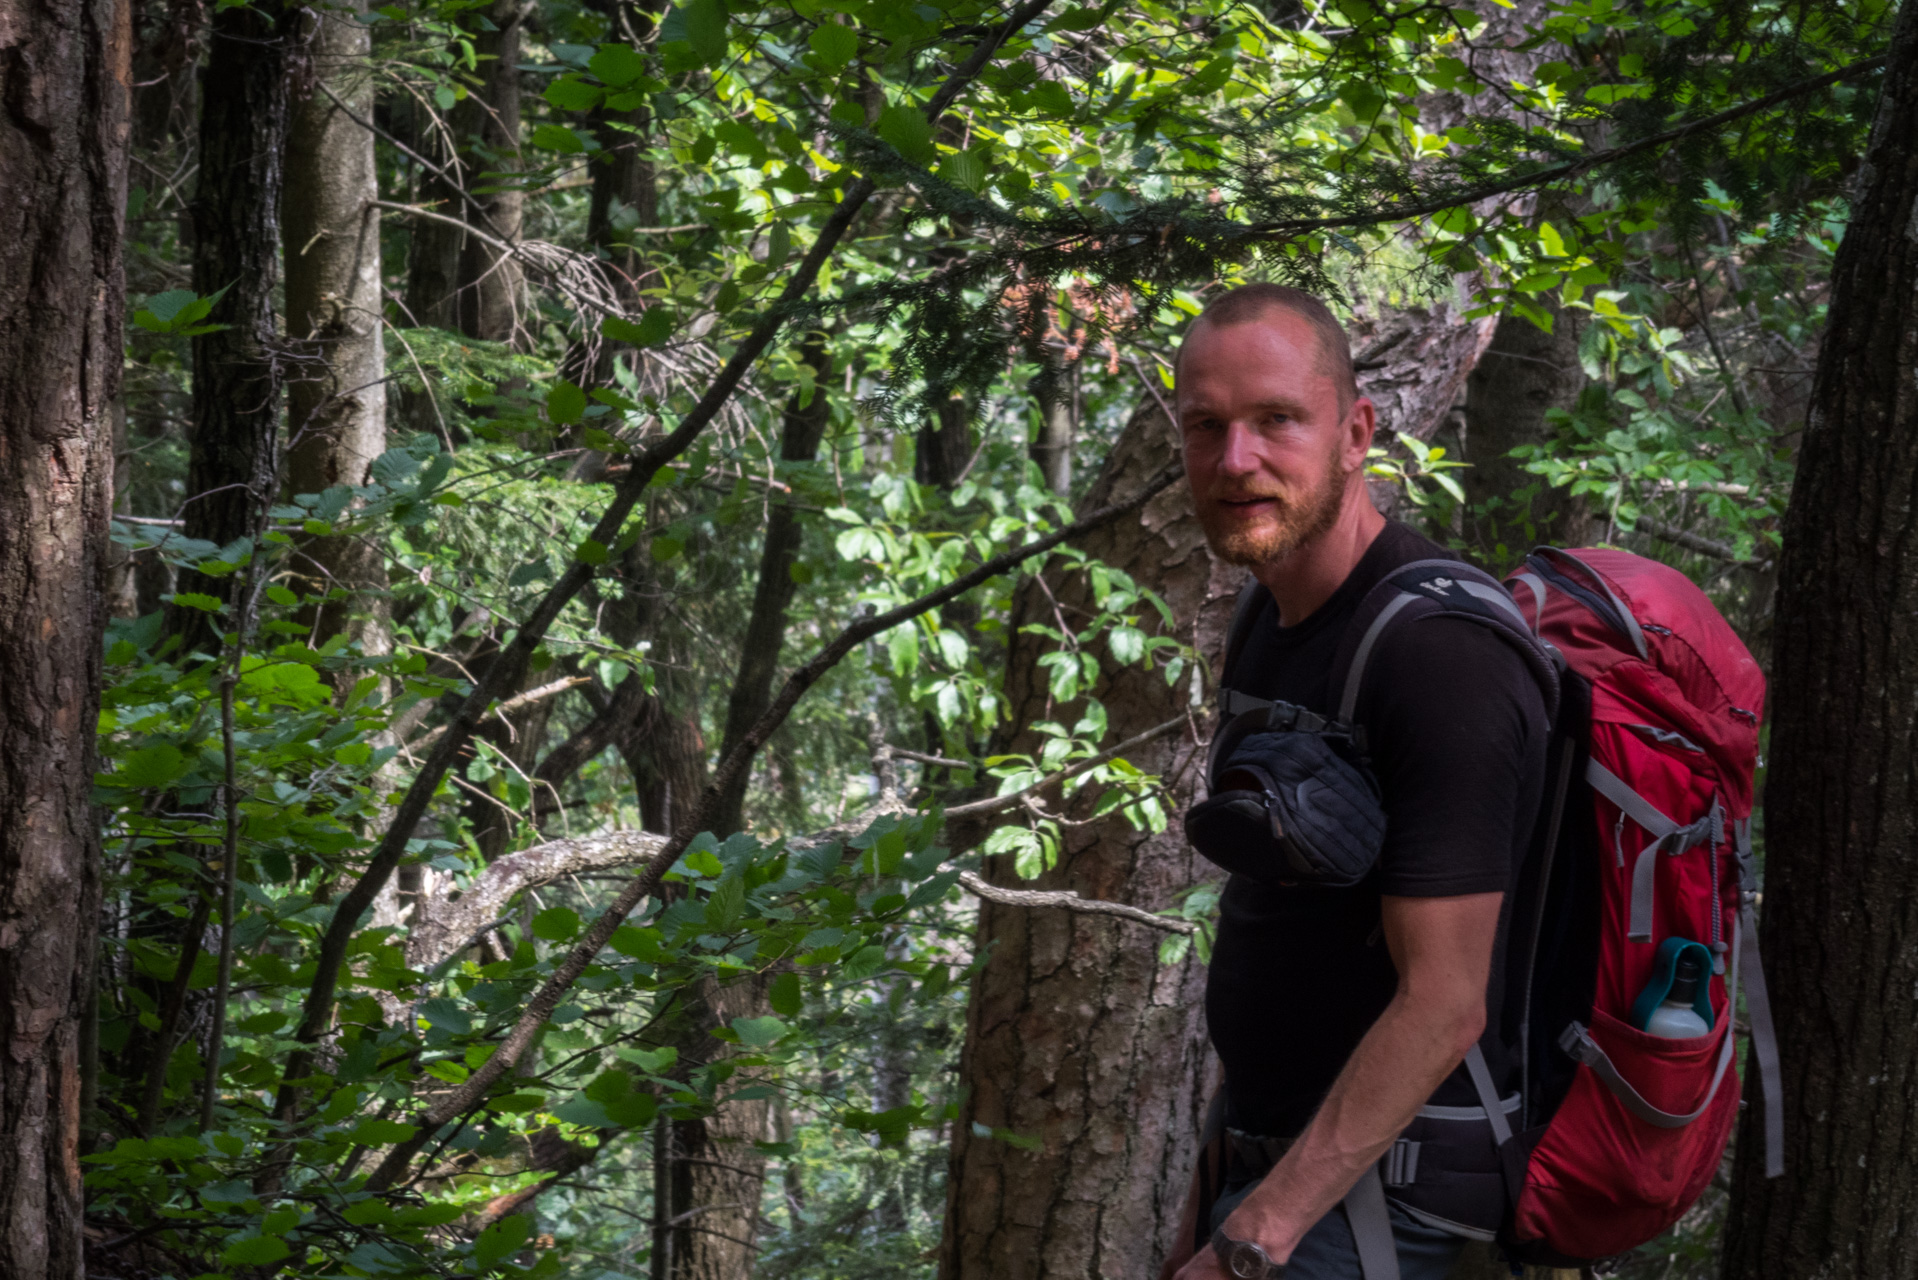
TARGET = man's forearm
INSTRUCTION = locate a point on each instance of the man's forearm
(1404, 1057)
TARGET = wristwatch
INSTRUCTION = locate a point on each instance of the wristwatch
(1244, 1260)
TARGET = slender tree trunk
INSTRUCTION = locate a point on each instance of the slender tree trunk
(806, 418)
(454, 281)
(1051, 445)
(944, 445)
(1841, 800)
(336, 399)
(63, 137)
(492, 288)
(1075, 1034)
(237, 370)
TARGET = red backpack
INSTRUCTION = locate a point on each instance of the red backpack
(1642, 854)
(1647, 838)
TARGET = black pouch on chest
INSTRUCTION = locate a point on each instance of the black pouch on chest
(1292, 801)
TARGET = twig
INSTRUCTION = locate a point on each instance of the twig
(1070, 901)
(512, 704)
(941, 761)
(1693, 542)
(1013, 799)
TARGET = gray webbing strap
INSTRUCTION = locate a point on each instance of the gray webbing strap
(1633, 805)
(1372, 1227)
(1578, 1042)
(1498, 599)
(1349, 698)
(1537, 584)
(1764, 1042)
(1488, 1098)
(1666, 834)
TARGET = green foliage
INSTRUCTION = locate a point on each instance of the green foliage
(1105, 173)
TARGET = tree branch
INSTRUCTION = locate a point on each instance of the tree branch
(738, 757)
(1070, 901)
(514, 703)
(1013, 799)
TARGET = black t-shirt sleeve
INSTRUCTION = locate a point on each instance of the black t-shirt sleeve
(1457, 726)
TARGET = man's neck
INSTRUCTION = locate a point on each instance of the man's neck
(1304, 579)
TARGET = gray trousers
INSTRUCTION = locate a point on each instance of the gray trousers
(1327, 1251)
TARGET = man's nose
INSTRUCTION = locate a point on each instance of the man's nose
(1238, 455)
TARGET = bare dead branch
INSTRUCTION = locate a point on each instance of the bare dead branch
(1070, 901)
(512, 704)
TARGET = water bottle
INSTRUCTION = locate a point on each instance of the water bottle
(1676, 1019)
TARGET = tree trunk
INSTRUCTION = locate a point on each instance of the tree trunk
(1051, 445)
(944, 445)
(237, 370)
(336, 400)
(804, 427)
(453, 280)
(1841, 801)
(492, 288)
(1523, 375)
(63, 151)
(1075, 1034)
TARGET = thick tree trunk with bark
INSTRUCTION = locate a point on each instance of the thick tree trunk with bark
(1076, 1035)
(238, 370)
(1841, 799)
(1523, 375)
(336, 399)
(63, 134)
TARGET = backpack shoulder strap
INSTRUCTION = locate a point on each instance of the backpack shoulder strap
(1431, 588)
(1245, 616)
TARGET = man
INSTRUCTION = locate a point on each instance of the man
(1338, 1013)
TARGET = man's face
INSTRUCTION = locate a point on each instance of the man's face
(1267, 448)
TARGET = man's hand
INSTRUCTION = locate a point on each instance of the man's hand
(1442, 948)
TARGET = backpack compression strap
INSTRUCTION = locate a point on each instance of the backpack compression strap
(1433, 588)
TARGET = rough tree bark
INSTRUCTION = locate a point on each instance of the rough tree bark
(1523, 375)
(1841, 801)
(233, 467)
(1076, 1035)
(63, 136)
(336, 399)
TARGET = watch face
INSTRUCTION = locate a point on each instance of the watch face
(1245, 1260)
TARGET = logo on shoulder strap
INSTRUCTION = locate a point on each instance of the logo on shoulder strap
(1438, 586)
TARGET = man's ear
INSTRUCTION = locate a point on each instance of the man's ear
(1361, 423)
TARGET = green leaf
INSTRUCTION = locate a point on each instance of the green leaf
(706, 29)
(152, 766)
(503, 1237)
(556, 924)
(1127, 644)
(590, 552)
(197, 600)
(564, 403)
(557, 137)
(654, 327)
(906, 129)
(381, 1133)
(617, 65)
(784, 995)
(254, 1252)
(835, 45)
(570, 93)
(759, 1032)
(728, 901)
(964, 169)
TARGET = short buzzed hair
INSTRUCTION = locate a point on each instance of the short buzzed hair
(1250, 302)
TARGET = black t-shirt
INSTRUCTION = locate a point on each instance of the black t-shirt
(1457, 731)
